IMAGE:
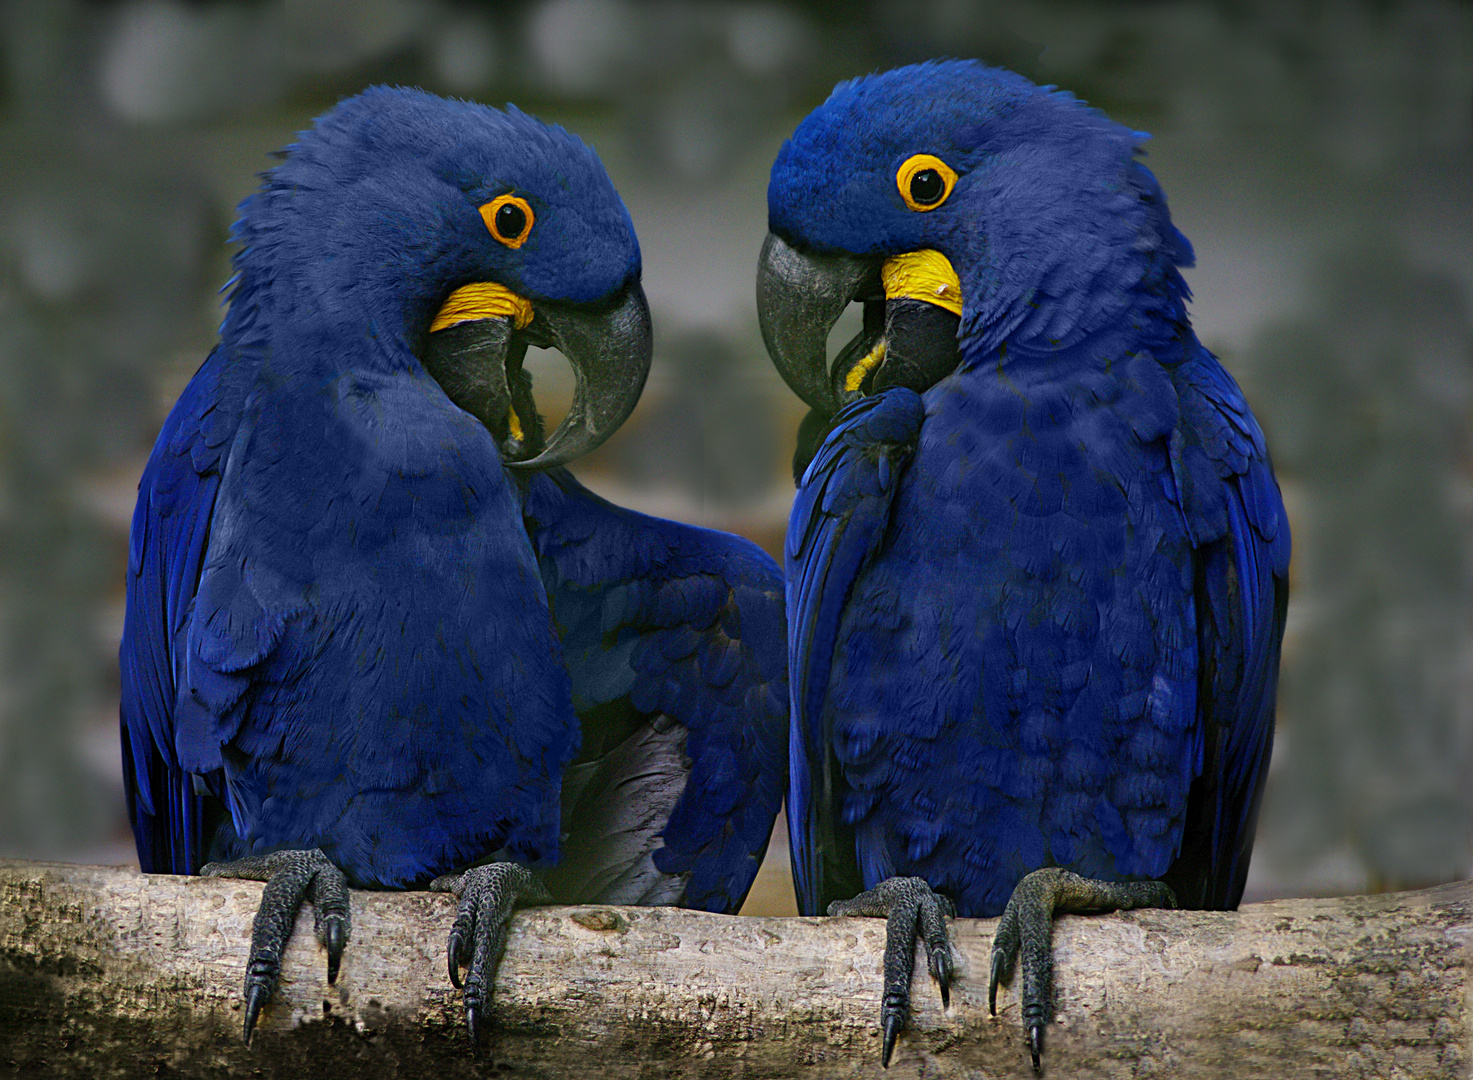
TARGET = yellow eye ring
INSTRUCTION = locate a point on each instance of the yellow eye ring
(925, 181)
(509, 219)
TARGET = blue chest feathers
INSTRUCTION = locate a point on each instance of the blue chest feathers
(1015, 681)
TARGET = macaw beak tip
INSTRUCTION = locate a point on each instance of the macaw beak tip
(608, 346)
(609, 349)
(800, 295)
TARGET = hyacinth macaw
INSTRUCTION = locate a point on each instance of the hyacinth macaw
(1037, 563)
(373, 635)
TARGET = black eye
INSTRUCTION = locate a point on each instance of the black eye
(927, 187)
(511, 220)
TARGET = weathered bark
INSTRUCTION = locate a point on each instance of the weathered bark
(106, 972)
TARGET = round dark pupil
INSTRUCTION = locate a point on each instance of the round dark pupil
(511, 220)
(926, 186)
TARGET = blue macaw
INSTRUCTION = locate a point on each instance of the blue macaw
(374, 635)
(1037, 563)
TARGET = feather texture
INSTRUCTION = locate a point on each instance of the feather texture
(1035, 612)
(349, 628)
(672, 627)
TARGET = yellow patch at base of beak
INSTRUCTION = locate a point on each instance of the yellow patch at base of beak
(855, 376)
(482, 300)
(514, 425)
(923, 275)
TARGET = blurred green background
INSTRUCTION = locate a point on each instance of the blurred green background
(1319, 155)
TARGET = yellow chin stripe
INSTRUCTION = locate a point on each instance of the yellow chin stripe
(483, 300)
(514, 425)
(867, 363)
(923, 275)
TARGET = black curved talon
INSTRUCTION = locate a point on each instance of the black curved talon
(1026, 929)
(257, 996)
(331, 924)
(488, 895)
(891, 1025)
(1002, 971)
(939, 960)
(909, 907)
(461, 934)
(334, 942)
(291, 877)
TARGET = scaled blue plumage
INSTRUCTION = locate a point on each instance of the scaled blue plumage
(686, 624)
(347, 623)
(1035, 608)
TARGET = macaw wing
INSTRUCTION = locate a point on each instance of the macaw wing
(1241, 533)
(838, 522)
(168, 540)
(674, 639)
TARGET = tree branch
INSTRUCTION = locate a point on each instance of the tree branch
(107, 972)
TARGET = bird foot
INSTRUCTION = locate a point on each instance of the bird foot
(290, 877)
(909, 907)
(1027, 927)
(488, 895)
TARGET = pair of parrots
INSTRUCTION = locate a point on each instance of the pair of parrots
(1025, 654)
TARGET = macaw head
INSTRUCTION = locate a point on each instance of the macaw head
(406, 228)
(963, 207)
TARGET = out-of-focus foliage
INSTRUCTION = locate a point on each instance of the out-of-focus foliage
(1286, 134)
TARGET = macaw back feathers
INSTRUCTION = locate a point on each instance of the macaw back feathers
(689, 634)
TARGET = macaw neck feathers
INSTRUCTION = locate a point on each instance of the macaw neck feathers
(1113, 277)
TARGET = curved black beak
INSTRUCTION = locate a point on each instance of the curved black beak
(912, 311)
(478, 363)
(609, 347)
(800, 295)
